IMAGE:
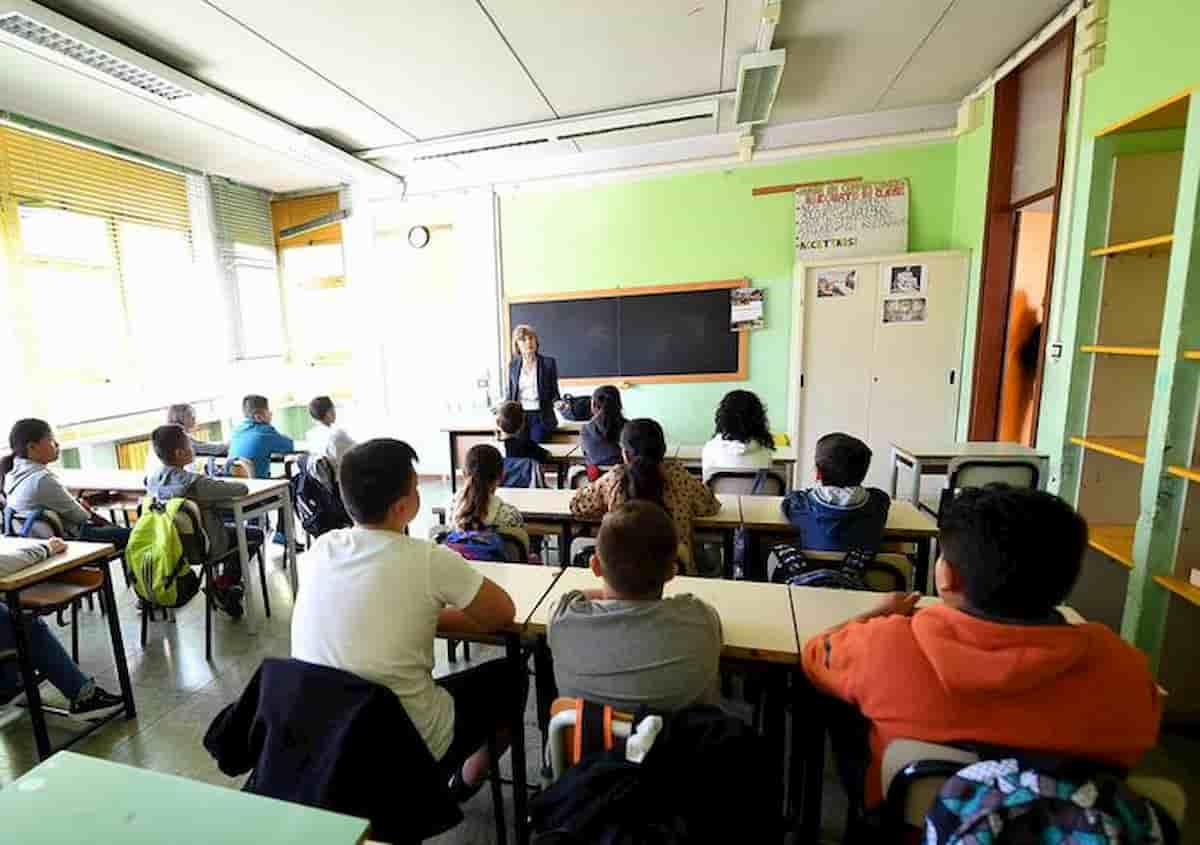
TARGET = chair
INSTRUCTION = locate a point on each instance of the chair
(913, 772)
(886, 573)
(197, 550)
(747, 482)
(560, 742)
(962, 473)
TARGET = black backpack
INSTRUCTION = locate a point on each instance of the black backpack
(318, 505)
(577, 408)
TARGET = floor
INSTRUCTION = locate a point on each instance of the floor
(178, 693)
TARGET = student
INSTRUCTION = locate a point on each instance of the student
(476, 507)
(324, 438)
(625, 645)
(49, 658)
(510, 420)
(995, 663)
(643, 475)
(600, 436)
(839, 514)
(173, 480)
(742, 439)
(371, 598)
(185, 415)
(29, 484)
(255, 438)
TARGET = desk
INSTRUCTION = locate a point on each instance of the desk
(77, 555)
(75, 798)
(934, 459)
(905, 523)
(465, 433)
(265, 495)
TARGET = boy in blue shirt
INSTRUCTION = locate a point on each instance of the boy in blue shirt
(839, 514)
(255, 439)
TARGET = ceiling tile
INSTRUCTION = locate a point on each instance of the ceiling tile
(588, 56)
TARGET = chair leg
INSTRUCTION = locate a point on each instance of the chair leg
(466, 650)
(75, 631)
(452, 650)
(497, 791)
(262, 577)
(208, 603)
(145, 623)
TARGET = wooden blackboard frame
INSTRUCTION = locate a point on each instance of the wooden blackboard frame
(741, 374)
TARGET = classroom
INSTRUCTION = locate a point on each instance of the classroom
(754, 421)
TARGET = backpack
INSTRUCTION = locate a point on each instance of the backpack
(154, 558)
(477, 545)
(318, 505)
(797, 569)
(1007, 802)
(577, 408)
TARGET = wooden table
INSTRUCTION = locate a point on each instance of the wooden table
(76, 798)
(265, 495)
(77, 555)
(465, 433)
(763, 515)
(934, 459)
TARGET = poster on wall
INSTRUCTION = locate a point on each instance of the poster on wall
(905, 310)
(843, 219)
(746, 309)
(906, 279)
(836, 282)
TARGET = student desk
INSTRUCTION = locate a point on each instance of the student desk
(934, 459)
(265, 495)
(763, 516)
(77, 555)
(783, 458)
(76, 798)
(463, 434)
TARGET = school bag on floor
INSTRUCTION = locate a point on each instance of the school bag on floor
(158, 569)
(1013, 802)
(477, 545)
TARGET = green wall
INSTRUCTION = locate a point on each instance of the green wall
(693, 227)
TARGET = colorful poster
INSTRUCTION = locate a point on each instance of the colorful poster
(746, 309)
(836, 281)
(851, 218)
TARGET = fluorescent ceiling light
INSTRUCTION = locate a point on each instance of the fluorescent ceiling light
(759, 75)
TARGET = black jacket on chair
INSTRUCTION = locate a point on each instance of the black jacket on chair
(326, 738)
(547, 380)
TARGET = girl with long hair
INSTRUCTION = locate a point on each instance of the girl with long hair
(742, 437)
(600, 436)
(476, 506)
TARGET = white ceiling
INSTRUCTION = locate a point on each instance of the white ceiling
(367, 74)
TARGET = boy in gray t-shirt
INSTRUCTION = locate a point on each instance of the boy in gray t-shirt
(625, 645)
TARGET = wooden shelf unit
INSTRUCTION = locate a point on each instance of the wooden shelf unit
(1131, 351)
(1126, 448)
(1131, 247)
(1180, 588)
(1116, 541)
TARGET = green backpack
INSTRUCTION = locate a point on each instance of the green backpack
(154, 557)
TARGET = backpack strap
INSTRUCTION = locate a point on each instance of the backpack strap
(30, 518)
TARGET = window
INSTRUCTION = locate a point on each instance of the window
(259, 310)
(318, 307)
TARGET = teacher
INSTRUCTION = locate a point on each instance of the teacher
(533, 381)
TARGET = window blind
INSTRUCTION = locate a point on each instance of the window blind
(48, 173)
(243, 222)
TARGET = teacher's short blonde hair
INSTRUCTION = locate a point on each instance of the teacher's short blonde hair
(520, 333)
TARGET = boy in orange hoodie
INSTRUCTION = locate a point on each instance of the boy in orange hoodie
(994, 663)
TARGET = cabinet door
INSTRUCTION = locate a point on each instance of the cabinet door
(839, 316)
(917, 359)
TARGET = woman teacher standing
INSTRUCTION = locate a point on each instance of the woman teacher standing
(533, 381)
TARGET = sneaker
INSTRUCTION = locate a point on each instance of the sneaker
(98, 705)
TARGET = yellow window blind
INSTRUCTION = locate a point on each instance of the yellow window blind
(49, 173)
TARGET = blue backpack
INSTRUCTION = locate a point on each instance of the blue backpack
(477, 545)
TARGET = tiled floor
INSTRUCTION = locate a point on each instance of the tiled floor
(178, 693)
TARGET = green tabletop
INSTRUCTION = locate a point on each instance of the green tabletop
(74, 798)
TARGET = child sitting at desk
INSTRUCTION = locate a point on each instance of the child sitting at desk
(49, 658)
(185, 415)
(476, 507)
(995, 663)
(644, 475)
(624, 644)
(326, 438)
(839, 514)
(742, 440)
(514, 434)
(29, 485)
(255, 440)
(600, 436)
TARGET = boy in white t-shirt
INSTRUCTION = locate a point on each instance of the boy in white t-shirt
(326, 438)
(372, 600)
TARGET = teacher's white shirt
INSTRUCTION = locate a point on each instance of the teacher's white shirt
(527, 386)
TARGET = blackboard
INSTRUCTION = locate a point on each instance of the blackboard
(668, 333)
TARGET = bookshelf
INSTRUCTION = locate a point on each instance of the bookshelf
(1132, 459)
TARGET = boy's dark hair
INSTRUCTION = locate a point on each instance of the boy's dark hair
(373, 475)
(638, 548)
(1019, 551)
(166, 440)
(510, 416)
(319, 407)
(842, 459)
(253, 403)
(742, 417)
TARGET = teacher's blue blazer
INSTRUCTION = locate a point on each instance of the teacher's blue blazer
(547, 377)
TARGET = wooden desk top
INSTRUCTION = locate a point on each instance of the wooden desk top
(904, 520)
(73, 797)
(943, 451)
(134, 481)
(536, 503)
(76, 555)
(525, 582)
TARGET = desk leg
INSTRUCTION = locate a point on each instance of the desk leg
(512, 646)
(915, 498)
(921, 567)
(453, 463)
(118, 644)
(28, 677)
(547, 691)
(727, 553)
(239, 528)
(286, 513)
(807, 775)
(895, 473)
(773, 733)
(564, 538)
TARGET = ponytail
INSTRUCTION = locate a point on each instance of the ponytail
(606, 402)
(645, 446)
(24, 432)
(484, 467)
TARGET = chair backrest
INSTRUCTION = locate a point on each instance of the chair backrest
(40, 524)
(976, 472)
(560, 743)
(522, 472)
(747, 482)
(881, 572)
